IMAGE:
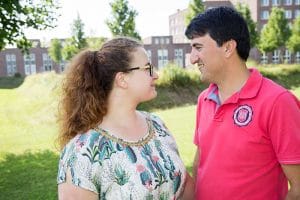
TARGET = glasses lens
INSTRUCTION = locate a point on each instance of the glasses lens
(151, 69)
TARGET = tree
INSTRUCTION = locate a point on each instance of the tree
(78, 33)
(77, 42)
(195, 7)
(275, 33)
(95, 43)
(293, 43)
(244, 10)
(122, 22)
(55, 51)
(16, 16)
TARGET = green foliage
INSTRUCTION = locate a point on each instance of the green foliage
(275, 33)
(95, 43)
(293, 43)
(17, 75)
(195, 7)
(244, 10)
(174, 76)
(11, 82)
(122, 22)
(286, 75)
(78, 38)
(18, 15)
(175, 87)
(77, 42)
(55, 50)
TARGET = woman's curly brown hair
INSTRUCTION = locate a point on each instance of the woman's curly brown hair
(87, 84)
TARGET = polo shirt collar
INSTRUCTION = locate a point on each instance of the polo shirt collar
(249, 90)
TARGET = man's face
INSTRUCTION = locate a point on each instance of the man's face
(208, 57)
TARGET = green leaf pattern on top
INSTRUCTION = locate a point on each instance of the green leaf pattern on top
(113, 170)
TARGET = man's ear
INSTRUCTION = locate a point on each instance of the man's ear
(229, 47)
(121, 80)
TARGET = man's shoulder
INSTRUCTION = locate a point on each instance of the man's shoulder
(272, 88)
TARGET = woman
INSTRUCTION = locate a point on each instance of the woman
(111, 150)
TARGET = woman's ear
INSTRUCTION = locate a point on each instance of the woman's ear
(121, 80)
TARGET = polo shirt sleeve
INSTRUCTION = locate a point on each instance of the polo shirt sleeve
(284, 128)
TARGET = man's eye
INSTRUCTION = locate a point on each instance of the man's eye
(198, 48)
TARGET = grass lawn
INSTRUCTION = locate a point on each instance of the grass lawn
(28, 157)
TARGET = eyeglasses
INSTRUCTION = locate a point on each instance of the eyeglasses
(147, 66)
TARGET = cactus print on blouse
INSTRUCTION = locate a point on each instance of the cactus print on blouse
(116, 169)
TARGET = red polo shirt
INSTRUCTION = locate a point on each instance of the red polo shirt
(244, 141)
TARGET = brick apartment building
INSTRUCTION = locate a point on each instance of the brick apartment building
(13, 61)
(260, 12)
(162, 50)
(174, 48)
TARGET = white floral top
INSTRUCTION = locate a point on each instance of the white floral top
(115, 169)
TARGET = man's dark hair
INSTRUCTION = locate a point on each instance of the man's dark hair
(222, 24)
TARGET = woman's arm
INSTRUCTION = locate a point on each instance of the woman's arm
(68, 191)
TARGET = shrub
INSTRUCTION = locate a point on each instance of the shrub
(174, 76)
(17, 75)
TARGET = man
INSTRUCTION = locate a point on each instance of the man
(247, 127)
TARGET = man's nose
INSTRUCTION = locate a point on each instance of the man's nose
(194, 57)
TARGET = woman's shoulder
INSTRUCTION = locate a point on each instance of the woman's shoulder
(152, 116)
(82, 143)
(158, 124)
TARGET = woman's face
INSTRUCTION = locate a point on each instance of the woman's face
(141, 83)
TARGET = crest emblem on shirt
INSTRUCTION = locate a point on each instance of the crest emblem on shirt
(242, 115)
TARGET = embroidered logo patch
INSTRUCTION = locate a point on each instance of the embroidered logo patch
(242, 115)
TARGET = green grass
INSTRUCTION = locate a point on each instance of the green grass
(296, 91)
(28, 157)
(181, 121)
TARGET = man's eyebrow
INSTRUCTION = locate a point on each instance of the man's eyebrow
(196, 45)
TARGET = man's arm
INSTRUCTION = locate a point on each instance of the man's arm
(292, 172)
(196, 164)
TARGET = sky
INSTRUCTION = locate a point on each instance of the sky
(152, 18)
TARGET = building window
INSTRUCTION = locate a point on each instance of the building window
(264, 2)
(275, 2)
(276, 56)
(287, 56)
(178, 57)
(297, 2)
(149, 54)
(288, 2)
(47, 62)
(297, 13)
(156, 41)
(264, 59)
(288, 14)
(11, 65)
(297, 57)
(167, 41)
(62, 65)
(162, 57)
(264, 14)
(162, 41)
(30, 66)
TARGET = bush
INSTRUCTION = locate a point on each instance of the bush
(286, 75)
(174, 76)
(17, 75)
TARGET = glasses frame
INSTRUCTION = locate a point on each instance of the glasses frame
(147, 66)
